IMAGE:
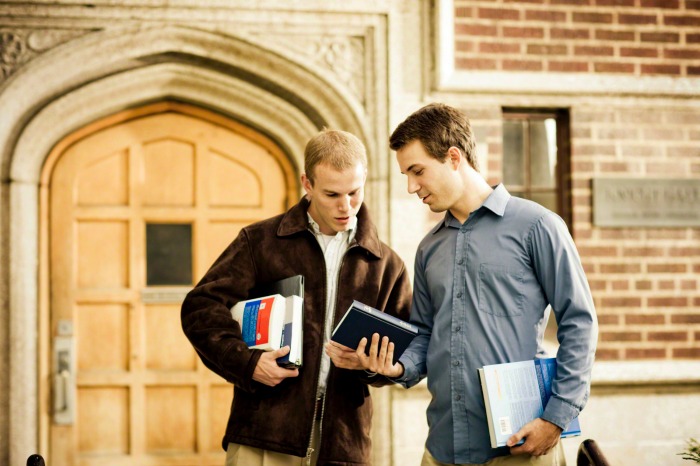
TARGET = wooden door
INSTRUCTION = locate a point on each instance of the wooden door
(137, 211)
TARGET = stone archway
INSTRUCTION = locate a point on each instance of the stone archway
(73, 85)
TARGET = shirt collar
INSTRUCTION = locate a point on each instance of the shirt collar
(497, 200)
(352, 227)
(294, 222)
(496, 203)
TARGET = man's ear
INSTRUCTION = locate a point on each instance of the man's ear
(306, 183)
(455, 156)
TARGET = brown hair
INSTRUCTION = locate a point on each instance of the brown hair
(339, 149)
(438, 127)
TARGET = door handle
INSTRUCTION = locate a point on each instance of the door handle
(64, 381)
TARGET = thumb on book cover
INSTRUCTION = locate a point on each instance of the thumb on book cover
(280, 352)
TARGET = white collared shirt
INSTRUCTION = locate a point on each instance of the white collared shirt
(334, 248)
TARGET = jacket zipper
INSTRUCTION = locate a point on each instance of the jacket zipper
(309, 448)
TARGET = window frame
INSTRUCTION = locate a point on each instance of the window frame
(563, 183)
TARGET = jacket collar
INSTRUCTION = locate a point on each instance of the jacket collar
(295, 221)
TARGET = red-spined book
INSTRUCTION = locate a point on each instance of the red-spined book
(275, 319)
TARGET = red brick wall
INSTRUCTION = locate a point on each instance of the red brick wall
(631, 37)
(645, 281)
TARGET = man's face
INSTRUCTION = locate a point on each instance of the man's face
(335, 195)
(435, 183)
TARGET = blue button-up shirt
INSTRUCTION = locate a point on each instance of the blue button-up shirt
(481, 289)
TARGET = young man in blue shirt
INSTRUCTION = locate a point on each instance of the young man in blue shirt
(484, 277)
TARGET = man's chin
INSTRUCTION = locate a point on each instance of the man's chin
(342, 225)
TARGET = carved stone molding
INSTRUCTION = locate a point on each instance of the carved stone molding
(344, 56)
(13, 51)
(45, 39)
(19, 47)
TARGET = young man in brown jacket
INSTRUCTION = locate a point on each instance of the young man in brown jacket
(321, 413)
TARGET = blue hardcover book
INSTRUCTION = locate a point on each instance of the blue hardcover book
(361, 320)
(515, 393)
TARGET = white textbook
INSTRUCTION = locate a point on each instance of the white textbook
(271, 322)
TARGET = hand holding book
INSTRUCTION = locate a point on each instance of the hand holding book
(343, 357)
(269, 372)
(515, 395)
(379, 358)
(540, 437)
(362, 322)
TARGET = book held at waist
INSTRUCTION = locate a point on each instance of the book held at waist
(361, 320)
(275, 319)
(515, 393)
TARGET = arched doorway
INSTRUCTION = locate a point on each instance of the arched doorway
(137, 206)
(101, 74)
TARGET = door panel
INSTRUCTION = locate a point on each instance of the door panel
(168, 173)
(103, 421)
(142, 397)
(167, 348)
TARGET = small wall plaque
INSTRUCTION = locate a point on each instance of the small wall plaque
(663, 203)
(164, 295)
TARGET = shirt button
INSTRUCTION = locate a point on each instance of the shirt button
(457, 397)
(458, 328)
(460, 262)
(455, 363)
(459, 295)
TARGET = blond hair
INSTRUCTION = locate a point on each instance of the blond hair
(340, 149)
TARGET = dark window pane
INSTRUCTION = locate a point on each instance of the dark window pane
(543, 153)
(168, 254)
(513, 153)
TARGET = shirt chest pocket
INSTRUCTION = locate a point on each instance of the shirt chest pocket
(500, 290)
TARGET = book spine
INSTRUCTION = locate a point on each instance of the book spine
(402, 327)
(386, 317)
(549, 373)
(541, 382)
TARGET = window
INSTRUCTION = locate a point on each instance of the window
(168, 254)
(536, 157)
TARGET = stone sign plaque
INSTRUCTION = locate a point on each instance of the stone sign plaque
(624, 202)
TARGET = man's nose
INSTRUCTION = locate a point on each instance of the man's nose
(344, 205)
(413, 187)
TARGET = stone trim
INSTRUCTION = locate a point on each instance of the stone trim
(447, 79)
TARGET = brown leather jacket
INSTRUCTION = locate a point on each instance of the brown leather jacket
(280, 418)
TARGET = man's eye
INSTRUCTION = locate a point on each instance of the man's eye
(419, 172)
(332, 195)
